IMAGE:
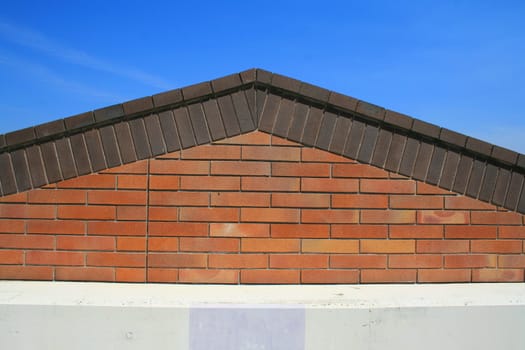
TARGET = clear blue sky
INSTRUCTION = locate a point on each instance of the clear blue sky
(458, 64)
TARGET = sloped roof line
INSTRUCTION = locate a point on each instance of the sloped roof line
(257, 99)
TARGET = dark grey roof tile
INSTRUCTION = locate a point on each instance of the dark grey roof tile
(367, 145)
(354, 139)
(395, 152)
(476, 176)
(462, 175)
(213, 117)
(65, 158)
(7, 177)
(154, 132)
(398, 119)
(513, 193)
(436, 165)
(107, 113)
(286, 83)
(20, 168)
(284, 117)
(80, 154)
(95, 151)
(248, 76)
(521, 161)
(521, 203)
(489, 182)
(49, 155)
(140, 139)
(409, 157)
(326, 131)
(502, 183)
(370, 110)
(198, 123)
(50, 128)
(453, 137)
(79, 120)
(109, 144)
(311, 128)
(231, 124)
(426, 129)
(504, 155)
(449, 170)
(125, 142)
(196, 90)
(2, 141)
(479, 146)
(226, 83)
(36, 166)
(343, 101)
(382, 147)
(424, 155)
(314, 92)
(182, 119)
(20, 136)
(341, 130)
(169, 130)
(244, 116)
(139, 105)
(264, 76)
(269, 113)
(167, 98)
(300, 115)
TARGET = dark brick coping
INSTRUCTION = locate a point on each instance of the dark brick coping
(258, 99)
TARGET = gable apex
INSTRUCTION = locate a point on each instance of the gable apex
(256, 99)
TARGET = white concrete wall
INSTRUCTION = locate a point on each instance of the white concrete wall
(41, 315)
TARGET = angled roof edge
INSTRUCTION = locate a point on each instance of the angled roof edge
(154, 125)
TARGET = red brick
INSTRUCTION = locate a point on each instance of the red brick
(131, 213)
(35, 257)
(213, 183)
(85, 243)
(270, 276)
(442, 246)
(496, 246)
(416, 231)
(470, 261)
(423, 188)
(174, 167)
(209, 244)
(86, 212)
(358, 171)
(330, 246)
(239, 230)
(358, 261)
(251, 138)
(209, 276)
(300, 231)
(499, 275)
(496, 218)
(138, 167)
(240, 168)
(15, 198)
(443, 217)
(177, 260)
(25, 211)
(515, 261)
(329, 185)
(116, 259)
(271, 153)
(269, 215)
(296, 261)
(275, 245)
(131, 244)
(102, 274)
(316, 155)
(460, 202)
(415, 261)
(163, 213)
(301, 169)
(56, 227)
(359, 201)
(332, 216)
(387, 246)
(163, 275)
(124, 274)
(209, 214)
(93, 181)
(117, 197)
(163, 182)
(301, 200)
(240, 199)
(388, 216)
(26, 272)
(163, 244)
(212, 152)
(329, 276)
(359, 231)
(12, 226)
(387, 186)
(57, 196)
(437, 276)
(117, 228)
(238, 261)
(11, 257)
(279, 141)
(177, 229)
(27, 241)
(416, 202)
(270, 184)
(132, 182)
(388, 276)
(179, 198)
(470, 232)
(511, 231)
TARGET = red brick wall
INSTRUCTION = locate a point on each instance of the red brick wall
(256, 209)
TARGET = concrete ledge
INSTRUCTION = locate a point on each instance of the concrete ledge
(44, 315)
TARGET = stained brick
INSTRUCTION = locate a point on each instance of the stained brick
(270, 184)
(443, 217)
(174, 167)
(499, 275)
(330, 246)
(22, 211)
(470, 261)
(512, 261)
(11, 257)
(209, 276)
(27, 241)
(239, 230)
(163, 275)
(388, 216)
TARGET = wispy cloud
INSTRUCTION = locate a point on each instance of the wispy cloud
(48, 76)
(39, 42)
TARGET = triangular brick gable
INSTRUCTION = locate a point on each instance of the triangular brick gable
(259, 100)
(256, 208)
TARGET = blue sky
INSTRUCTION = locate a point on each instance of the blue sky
(458, 64)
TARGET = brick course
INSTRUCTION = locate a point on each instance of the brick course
(256, 208)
